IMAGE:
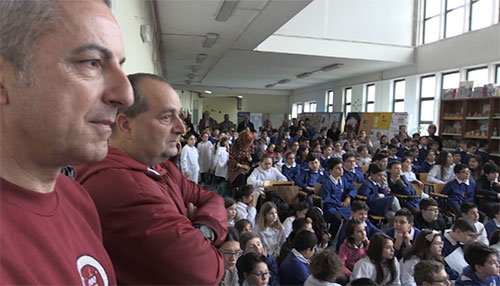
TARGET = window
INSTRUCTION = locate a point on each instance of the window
(347, 100)
(432, 21)
(398, 98)
(455, 17)
(478, 75)
(497, 81)
(296, 109)
(481, 14)
(450, 80)
(427, 94)
(329, 101)
(370, 98)
(310, 106)
(300, 108)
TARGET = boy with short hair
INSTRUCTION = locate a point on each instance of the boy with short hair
(400, 185)
(488, 186)
(428, 217)
(470, 152)
(407, 142)
(494, 223)
(311, 176)
(393, 150)
(278, 158)
(483, 150)
(429, 272)
(359, 210)
(457, 157)
(462, 232)
(483, 268)
(403, 231)
(459, 190)
(352, 173)
(326, 155)
(364, 153)
(469, 210)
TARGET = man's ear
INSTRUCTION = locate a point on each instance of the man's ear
(124, 124)
(7, 74)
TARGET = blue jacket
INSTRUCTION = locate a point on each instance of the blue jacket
(422, 153)
(407, 191)
(370, 229)
(484, 155)
(291, 173)
(425, 167)
(399, 253)
(355, 177)
(490, 227)
(469, 277)
(308, 178)
(293, 271)
(459, 192)
(333, 195)
(378, 206)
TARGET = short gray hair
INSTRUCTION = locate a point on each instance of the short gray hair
(22, 23)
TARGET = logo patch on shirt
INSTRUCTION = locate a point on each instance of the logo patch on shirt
(91, 271)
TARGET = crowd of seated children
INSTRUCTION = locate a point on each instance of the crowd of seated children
(398, 184)
(375, 189)
(354, 245)
(403, 231)
(298, 225)
(430, 272)
(429, 217)
(251, 243)
(245, 208)
(230, 250)
(428, 246)
(488, 186)
(482, 266)
(442, 172)
(494, 223)
(311, 176)
(380, 264)
(470, 211)
(294, 269)
(269, 229)
(462, 232)
(460, 189)
(299, 211)
(325, 267)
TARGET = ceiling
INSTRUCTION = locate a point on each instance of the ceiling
(233, 62)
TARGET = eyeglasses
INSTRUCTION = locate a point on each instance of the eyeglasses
(229, 254)
(262, 275)
(445, 280)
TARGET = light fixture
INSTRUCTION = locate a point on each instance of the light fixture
(195, 68)
(201, 58)
(146, 33)
(283, 81)
(191, 75)
(331, 67)
(239, 96)
(208, 91)
(270, 85)
(188, 81)
(210, 39)
(304, 75)
(226, 10)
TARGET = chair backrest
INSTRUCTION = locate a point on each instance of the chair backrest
(438, 188)
(417, 188)
(278, 183)
(289, 193)
(358, 186)
(317, 188)
(423, 177)
(364, 169)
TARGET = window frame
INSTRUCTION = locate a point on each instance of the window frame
(394, 100)
(497, 74)
(420, 99)
(329, 102)
(345, 100)
(367, 102)
(446, 12)
(467, 71)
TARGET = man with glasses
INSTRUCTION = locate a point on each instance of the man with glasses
(430, 273)
(428, 217)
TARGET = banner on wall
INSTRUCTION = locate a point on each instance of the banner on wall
(322, 119)
(352, 122)
(373, 122)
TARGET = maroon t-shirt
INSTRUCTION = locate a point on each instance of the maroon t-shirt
(51, 238)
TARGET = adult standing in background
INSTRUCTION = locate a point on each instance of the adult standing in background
(432, 131)
(240, 159)
(60, 85)
(159, 227)
(207, 122)
(245, 124)
(334, 132)
(281, 129)
(226, 125)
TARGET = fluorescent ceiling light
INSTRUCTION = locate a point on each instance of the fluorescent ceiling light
(331, 67)
(283, 81)
(304, 75)
(239, 96)
(208, 91)
(201, 58)
(191, 75)
(210, 39)
(195, 68)
(270, 85)
(226, 10)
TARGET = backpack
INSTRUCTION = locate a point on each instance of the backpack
(283, 208)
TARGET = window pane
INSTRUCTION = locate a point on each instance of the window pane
(427, 110)
(347, 109)
(498, 75)
(330, 108)
(479, 76)
(370, 92)
(330, 97)
(399, 89)
(299, 108)
(428, 87)
(348, 94)
(313, 107)
(370, 107)
(454, 23)
(431, 30)
(306, 107)
(432, 8)
(450, 4)
(481, 14)
(399, 106)
(294, 110)
(423, 129)
(451, 80)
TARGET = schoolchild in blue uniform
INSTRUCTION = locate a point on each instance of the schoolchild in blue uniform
(404, 148)
(327, 155)
(483, 268)
(311, 176)
(422, 148)
(337, 194)
(359, 210)
(290, 169)
(483, 150)
(375, 189)
(294, 269)
(470, 151)
(393, 151)
(459, 190)
(493, 224)
(400, 185)
(428, 163)
(488, 186)
(462, 232)
(352, 173)
(403, 232)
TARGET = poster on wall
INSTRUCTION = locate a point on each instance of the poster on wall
(256, 119)
(352, 122)
(241, 116)
(366, 122)
(398, 119)
(373, 122)
(322, 119)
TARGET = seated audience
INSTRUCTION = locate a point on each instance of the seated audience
(470, 151)
(380, 265)
(408, 172)
(291, 170)
(375, 189)
(495, 240)
(230, 250)
(429, 273)
(250, 242)
(476, 167)
(269, 229)
(428, 163)
(299, 210)
(483, 151)
(254, 268)
(469, 211)
(488, 186)
(482, 269)
(311, 176)
(232, 213)
(325, 156)
(407, 144)
(366, 159)
(493, 224)
(245, 198)
(298, 225)
(354, 246)
(337, 194)
(382, 158)
(393, 150)
(320, 227)
(294, 269)
(462, 232)
(459, 190)
(428, 246)
(398, 184)
(324, 268)
(265, 172)
(428, 217)
(352, 173)
(442, 171)
(243, 226)
(338, 152)
(403, 231)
